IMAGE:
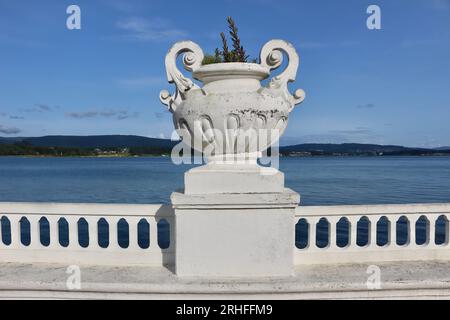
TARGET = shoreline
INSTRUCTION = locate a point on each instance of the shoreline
(281, 156)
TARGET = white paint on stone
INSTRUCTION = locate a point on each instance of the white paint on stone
(220, 178)
(234, 235)
(232, 100)
(404, 280)
(234, 218)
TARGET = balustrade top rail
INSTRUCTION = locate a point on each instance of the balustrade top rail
(166, 210)
(377, 209)
(86, 209)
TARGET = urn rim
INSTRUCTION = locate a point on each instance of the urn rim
(230, 70)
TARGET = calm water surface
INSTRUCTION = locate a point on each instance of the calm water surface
(319, 180)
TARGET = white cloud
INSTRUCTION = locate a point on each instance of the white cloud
(149, 30)
(40, 107)
(142, 82)
(366, 106)
(440, 4)
(350, 135)
(321, 45)
(9, 130)
(118, 114)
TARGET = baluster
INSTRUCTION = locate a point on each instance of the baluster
(93, 231)
(154, 232)
(54, 231)
(353, 221)
(1, 231)
(171, 222)
(15, 231)
(412, 230)
(447, 223)
(113, 233)
(133, 232)
(373, 231)
(332, 221)
(312, 234)
(72, 221)
(432, 231)
(35, 231)
(392, 230)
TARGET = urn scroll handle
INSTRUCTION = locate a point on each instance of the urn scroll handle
(192, 59)
(272, 57)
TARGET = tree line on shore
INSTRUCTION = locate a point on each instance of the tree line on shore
(117, 147)
(26, 149)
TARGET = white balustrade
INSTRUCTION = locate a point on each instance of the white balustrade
(29, 246)
(13, 249)
(372, 252)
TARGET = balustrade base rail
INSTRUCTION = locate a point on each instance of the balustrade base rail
(351, 281)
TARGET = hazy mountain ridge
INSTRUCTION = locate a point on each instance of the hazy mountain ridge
(100, 141)
(442, 148)
(343, 147)
(356, 149)
(145, 144)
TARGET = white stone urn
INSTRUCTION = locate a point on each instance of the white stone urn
(232, 115)
(233, 218)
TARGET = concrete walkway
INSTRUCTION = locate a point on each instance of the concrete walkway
(399, 280)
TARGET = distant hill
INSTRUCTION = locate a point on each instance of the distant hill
(103, 141)
(4, 140)
(144, 145)
(442, 148)
(344, 147)
(355, 149)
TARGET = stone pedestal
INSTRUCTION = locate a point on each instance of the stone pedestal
(234, 223)
(225, 178)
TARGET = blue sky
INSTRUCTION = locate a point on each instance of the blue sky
(388, 86)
